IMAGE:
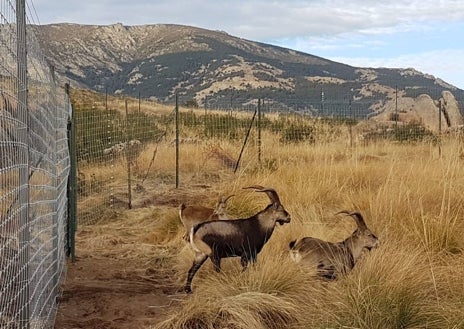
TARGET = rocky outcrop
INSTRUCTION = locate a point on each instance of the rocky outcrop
(451, 109)
(435, 115)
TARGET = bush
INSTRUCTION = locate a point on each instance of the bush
(98, 129)
(192, 103)
(297, 133)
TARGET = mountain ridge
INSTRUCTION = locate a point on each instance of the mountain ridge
(161, 60)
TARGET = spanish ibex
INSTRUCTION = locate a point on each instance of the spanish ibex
(327, 259)
(242, 238)
(194, 214)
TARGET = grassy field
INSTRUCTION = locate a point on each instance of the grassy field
(412, 198)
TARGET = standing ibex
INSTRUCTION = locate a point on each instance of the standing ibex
(194, 214)
(328, 259)
(242, 238)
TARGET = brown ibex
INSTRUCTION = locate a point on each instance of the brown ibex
(242, 238)
(328, 259)
(194, 214)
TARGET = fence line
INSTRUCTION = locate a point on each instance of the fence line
(113, 147)
(161, 137)
(34, 169)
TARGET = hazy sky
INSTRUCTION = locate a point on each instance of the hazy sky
(427, 35)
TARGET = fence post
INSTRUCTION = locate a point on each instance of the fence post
(322, 103)
(351, 120)
(439, 126)
(396, 112)
(259, 130)
(56, 182)
(72, 187)
(245, 142)
(23, 113)
(128, 159)
(177, 140)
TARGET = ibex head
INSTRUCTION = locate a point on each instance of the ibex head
(362, 238)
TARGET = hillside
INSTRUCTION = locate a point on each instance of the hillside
(157, 61)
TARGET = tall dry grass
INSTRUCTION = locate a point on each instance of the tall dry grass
(411, 197)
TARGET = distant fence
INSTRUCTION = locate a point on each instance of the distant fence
(34, 170)
(125, 146)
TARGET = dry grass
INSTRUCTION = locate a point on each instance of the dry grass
(411, 197)
(86, 97)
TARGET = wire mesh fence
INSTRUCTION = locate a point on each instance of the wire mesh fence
(110, 139)
(34, 167)
(127, 145)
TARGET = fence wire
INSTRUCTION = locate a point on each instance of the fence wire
(127, 146)
(34, 168)
(110, 140)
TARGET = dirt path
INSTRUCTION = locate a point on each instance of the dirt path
(117, 280)
(123, 276)
(111, 296)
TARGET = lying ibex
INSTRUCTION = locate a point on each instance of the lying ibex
(328, 259)
(194, 214)
(242, 238)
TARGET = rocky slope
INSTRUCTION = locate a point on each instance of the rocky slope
(158, 61)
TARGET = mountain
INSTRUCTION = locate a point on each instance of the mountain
(158, 61)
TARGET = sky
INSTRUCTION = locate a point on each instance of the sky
(427, 35)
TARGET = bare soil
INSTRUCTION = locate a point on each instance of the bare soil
(122, 277)
(106, 292)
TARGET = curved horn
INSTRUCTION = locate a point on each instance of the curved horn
(226, 199)
(254, 187)
(271, 193)
(357, 217)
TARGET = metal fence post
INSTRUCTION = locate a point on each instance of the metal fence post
(322, 103)
(245, 141)
(128, 159)
(259, 130)
(177, 140)
(56, 182)
(72, 188)
(350, 123)
(440, 110)
(23, 112)
(396, 112)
